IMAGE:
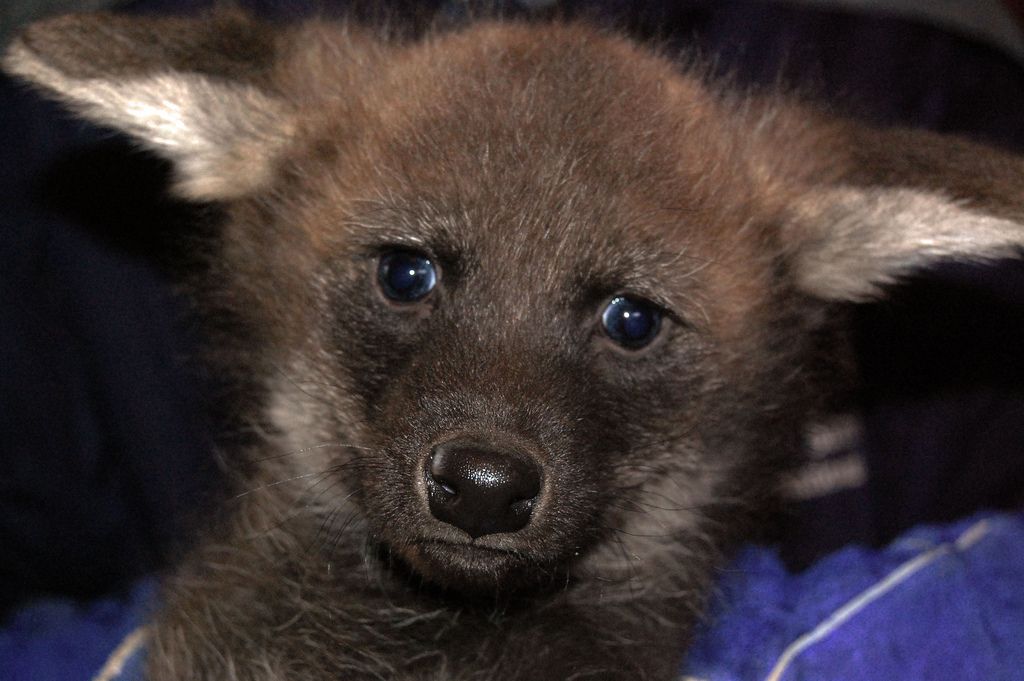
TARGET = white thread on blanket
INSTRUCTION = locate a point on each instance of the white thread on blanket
(128, 647)
(967, 538)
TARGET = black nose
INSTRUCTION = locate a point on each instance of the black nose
(481, 490)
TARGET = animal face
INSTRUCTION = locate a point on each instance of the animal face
(528, 309)
(516, 329)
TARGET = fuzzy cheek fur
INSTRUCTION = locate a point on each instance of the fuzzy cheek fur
(543, 171)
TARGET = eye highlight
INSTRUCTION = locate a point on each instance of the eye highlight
(406, 276)
(631, 322)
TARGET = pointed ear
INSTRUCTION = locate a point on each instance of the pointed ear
(195, 91)
(911, 200)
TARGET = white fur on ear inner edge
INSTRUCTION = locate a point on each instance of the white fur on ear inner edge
(221, 136)
(861, 239)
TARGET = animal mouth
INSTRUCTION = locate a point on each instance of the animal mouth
(473, 547)
(467, 566)
(464, 554)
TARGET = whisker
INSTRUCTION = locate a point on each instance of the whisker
(313, 448)
(304, 476)
(637, 506)
(339, 534)
(275, 484)
(322, 531)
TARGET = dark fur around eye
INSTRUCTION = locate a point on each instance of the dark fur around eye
(406, 276)
(631, 322)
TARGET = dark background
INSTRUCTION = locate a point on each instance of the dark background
(106, 441)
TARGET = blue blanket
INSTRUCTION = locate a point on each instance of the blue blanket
(59, 640)
(941, 603)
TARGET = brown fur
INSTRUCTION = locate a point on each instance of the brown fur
(545, 168)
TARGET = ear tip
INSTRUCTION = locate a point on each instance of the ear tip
(52, 42)
(49, 28)
(22, 56)
(26, 63)
(18, 59)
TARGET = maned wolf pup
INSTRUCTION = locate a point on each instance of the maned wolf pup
(530, 316)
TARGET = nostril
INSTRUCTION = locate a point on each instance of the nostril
(439, 479)
(481, 490)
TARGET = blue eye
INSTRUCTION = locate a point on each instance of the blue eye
(406, 276)
(631, 322)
